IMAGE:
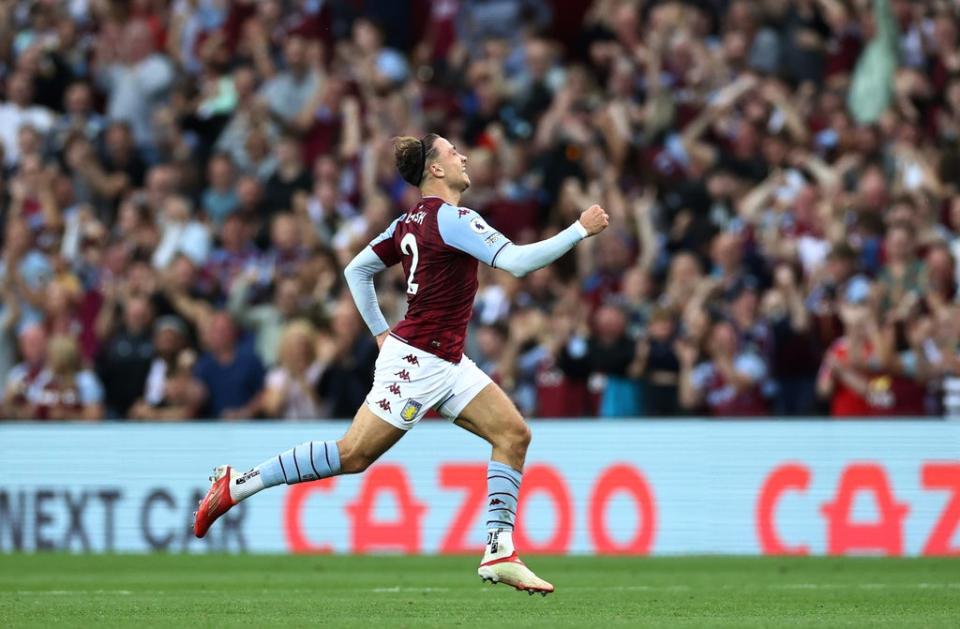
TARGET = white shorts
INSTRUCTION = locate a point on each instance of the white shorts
(408, 382)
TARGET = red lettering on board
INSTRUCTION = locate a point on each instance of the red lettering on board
(789, 476)
(885, 534)
(623, 478)
(471, 477)
(943, 476)
(402, 533)
(545, 479)
(297, 495)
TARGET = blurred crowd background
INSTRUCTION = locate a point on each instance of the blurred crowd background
(183, 182)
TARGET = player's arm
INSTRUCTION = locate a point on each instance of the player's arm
(374, 258)
(467, 231)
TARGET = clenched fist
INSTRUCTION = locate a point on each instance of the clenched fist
(594, 219)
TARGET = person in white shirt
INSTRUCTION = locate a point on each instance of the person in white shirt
(291, 385)
(18, 111)
(181, 234)
(136, 78)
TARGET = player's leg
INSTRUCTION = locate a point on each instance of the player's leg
(493, 417)
(487, 412)
(366, 439)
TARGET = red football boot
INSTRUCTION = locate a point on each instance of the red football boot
(216, 502)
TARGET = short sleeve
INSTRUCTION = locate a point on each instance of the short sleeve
(466, 230)
(700, 376)
(276, 378)
(909, 363)
(91, 391)
(751, 366)
(384, 246)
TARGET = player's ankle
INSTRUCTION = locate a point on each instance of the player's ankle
(499, 544)
(245, 485)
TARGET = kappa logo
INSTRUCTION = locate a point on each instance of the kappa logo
(479, 225)
(413, 360)
(403, 374)
(496, 501)
(395, 389)
(462, 212)
(385, 405)
(409, 411)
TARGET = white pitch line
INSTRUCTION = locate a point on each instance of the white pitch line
(397, 589)
(862, 586)
(631, 588)
(782, 586)
(70, 592)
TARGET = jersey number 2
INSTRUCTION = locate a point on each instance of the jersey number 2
(408, 245)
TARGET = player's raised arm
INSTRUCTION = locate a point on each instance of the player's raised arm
(467, 231)
(372, 259)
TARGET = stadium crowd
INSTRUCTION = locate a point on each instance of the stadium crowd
(183, 182)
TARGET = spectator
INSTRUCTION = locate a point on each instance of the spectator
(729, 382)
(290, 91)
(346, 381)
(795, 350)
(181, 234)
(903, 273)
(611, 353)
(25, 271)
(64, 389)
(267, 321)
(286, 252)
(232, 375)
(491, 341)
(136, 77)
(934, 358)
(9, 317)
(291, 385)
(18, 112)
(658, 366)
(376, 65)
(220, 198)
(250, 114)
(32, 342)
(290, 176)
(235, 255)
(171, 393)
(124, 360)
(852, 376)
(79, 116)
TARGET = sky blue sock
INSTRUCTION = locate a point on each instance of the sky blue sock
(503, 487)
(308, 461)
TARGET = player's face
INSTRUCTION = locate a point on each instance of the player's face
(454, 165)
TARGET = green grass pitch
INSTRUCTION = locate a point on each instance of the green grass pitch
(380, 592)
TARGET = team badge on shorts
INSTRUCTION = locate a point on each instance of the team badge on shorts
(409, 411)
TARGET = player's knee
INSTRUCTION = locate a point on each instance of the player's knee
(516, 438)
(353, 460)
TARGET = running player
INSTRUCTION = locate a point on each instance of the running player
(421, 363)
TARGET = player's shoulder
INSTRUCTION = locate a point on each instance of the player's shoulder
(452, 217)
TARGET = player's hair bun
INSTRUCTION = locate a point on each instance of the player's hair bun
(411, 155)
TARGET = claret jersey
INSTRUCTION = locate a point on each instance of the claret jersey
(438, 245)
